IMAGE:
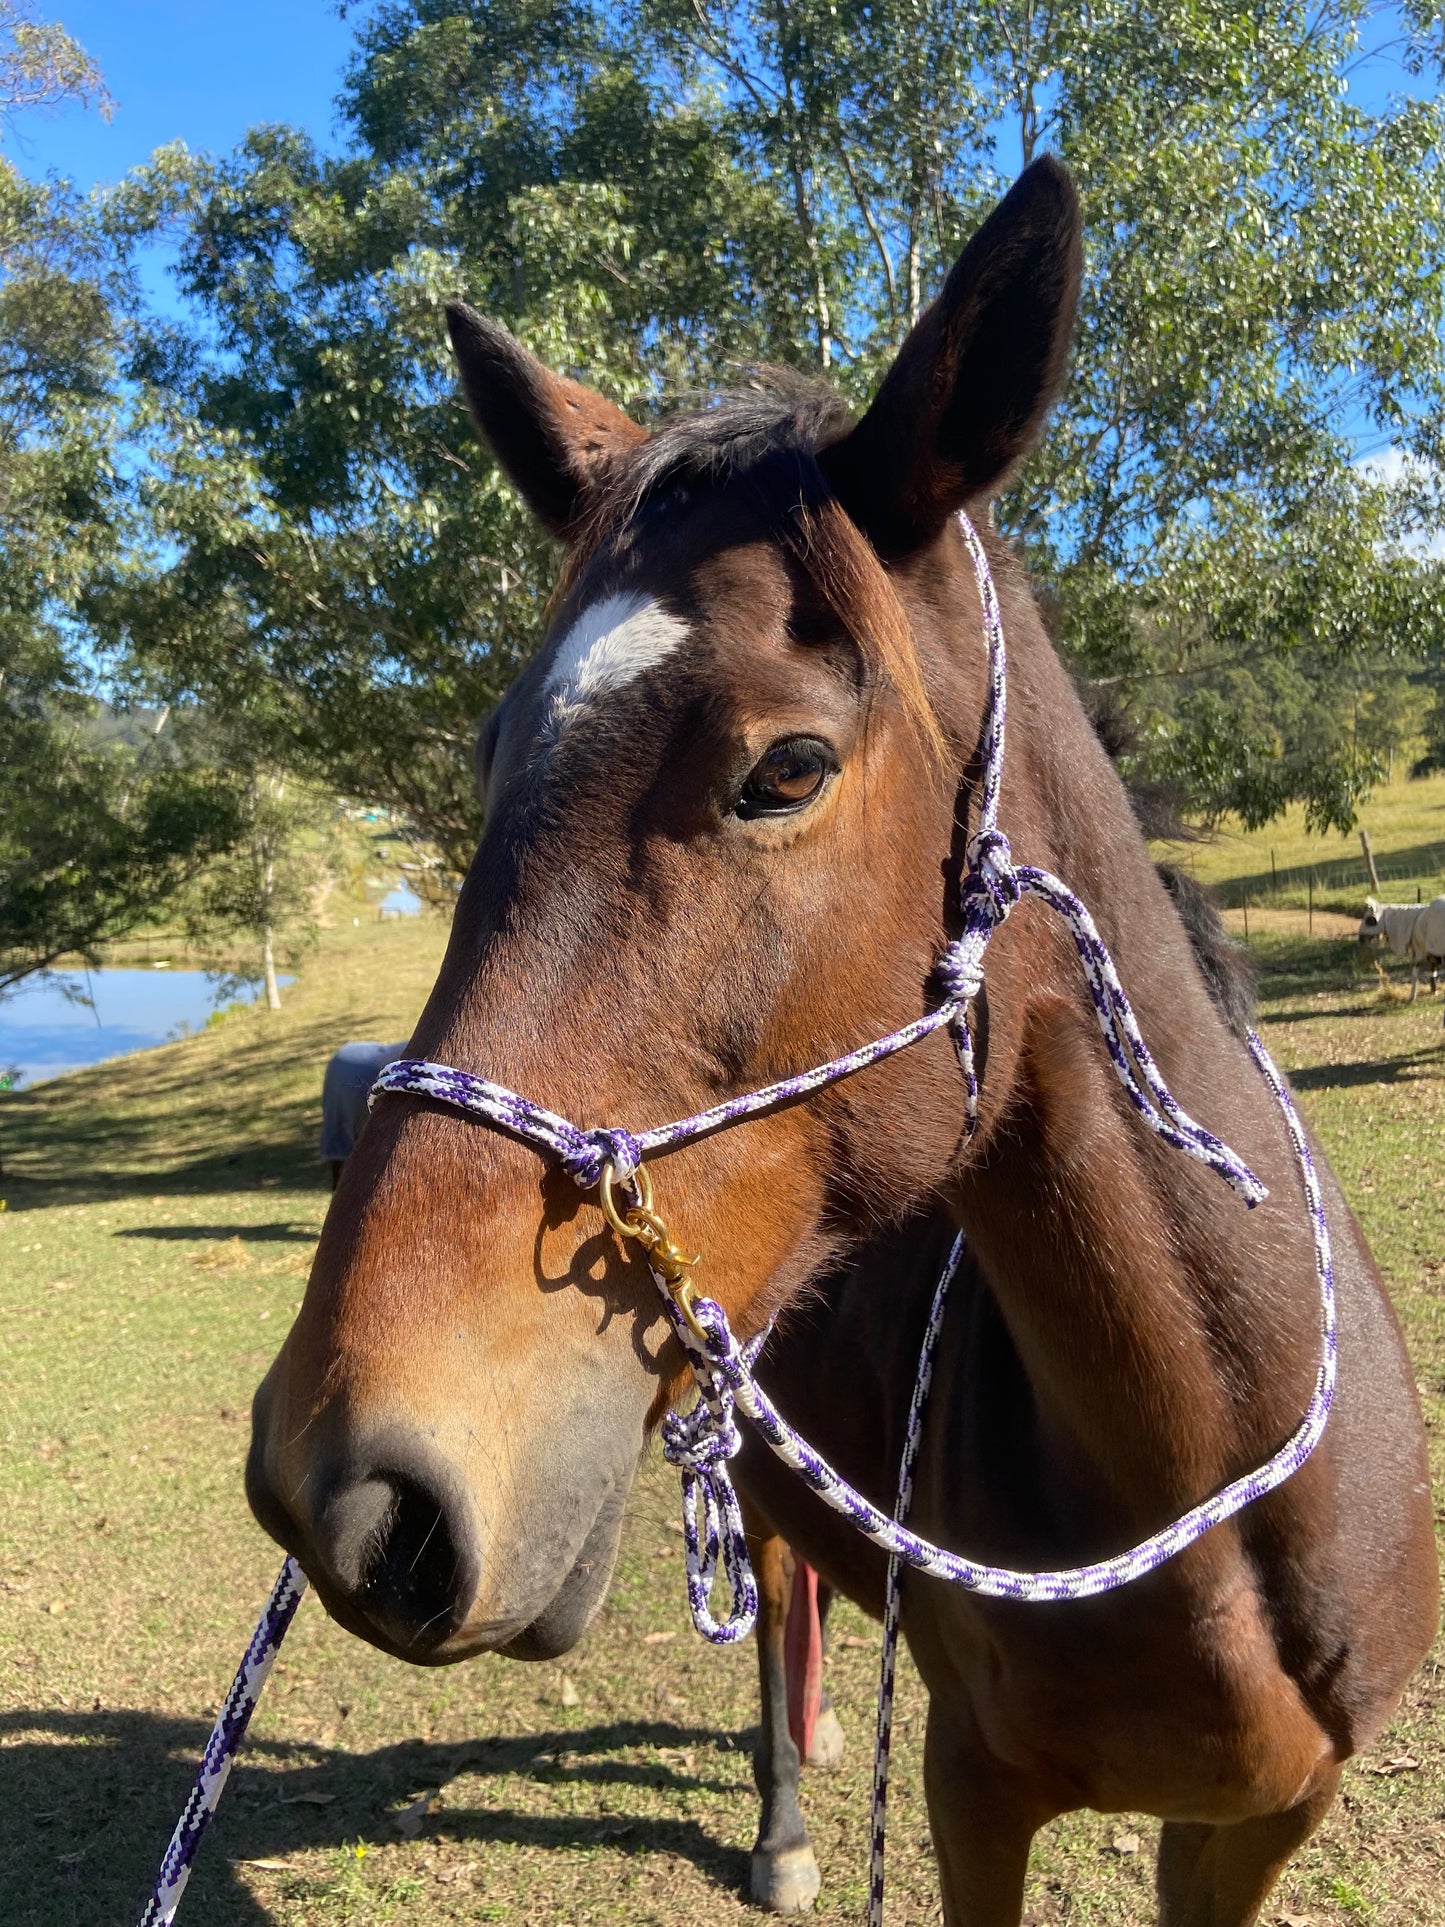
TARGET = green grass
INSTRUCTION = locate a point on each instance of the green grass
(159, 1220)
(1406, 823)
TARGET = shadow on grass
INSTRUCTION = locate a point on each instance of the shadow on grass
(1369, 1070)
(90, 1800)
(1304, 966)
(249, 1234)
(168, 1120)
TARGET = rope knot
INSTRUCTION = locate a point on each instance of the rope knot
(991, 880)
(960, 970)
(583, 1160)
(699, 1440)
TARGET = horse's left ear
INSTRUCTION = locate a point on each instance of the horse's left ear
(966, 398)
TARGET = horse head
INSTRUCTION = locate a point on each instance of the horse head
(724, 814)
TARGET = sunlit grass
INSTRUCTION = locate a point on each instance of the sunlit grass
(1406, 824)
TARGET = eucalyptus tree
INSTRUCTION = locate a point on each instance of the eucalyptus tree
(97, 832)
(652, 192)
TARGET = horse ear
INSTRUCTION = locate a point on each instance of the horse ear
(552, 437)
(966, 398)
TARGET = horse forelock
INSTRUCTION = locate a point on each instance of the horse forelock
(764, 443)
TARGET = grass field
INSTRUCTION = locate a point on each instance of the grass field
(159, 1219)
(1406, 825)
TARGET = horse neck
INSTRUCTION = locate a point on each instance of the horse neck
(1138, 1292)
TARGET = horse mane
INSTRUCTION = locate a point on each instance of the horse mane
(768, 438)
(1223, 963)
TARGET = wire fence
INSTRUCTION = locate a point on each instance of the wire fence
(1421, 870)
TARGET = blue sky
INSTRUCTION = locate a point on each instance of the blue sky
(201, 71)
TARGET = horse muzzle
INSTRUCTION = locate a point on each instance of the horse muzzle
(398, 1547)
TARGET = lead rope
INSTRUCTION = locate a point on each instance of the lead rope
(221, 1749)
(701, 1442)
(893, 1590)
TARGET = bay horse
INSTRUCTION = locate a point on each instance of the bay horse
(726, 811)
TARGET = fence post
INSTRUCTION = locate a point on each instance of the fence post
(1310, 888)
(1374, 875)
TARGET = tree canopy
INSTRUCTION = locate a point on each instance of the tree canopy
(98, 828)
(655, 193)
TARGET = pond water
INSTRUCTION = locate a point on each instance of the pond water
(402, 901)
(45, 1030)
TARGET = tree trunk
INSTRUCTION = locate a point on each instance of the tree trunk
(268, 959)
(268, 945)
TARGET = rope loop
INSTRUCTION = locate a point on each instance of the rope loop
(960, 969)
(583, 1160)
(988, 890)
(700, 1443)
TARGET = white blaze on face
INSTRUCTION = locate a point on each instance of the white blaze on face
(605, 649)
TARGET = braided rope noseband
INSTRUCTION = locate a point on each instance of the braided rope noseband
(700, 1442)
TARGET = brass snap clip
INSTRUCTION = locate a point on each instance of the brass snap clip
(639, 1220)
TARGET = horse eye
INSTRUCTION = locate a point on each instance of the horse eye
(789, 776)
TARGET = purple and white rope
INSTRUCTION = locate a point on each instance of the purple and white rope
(699, 1443)
(223, 1745)
(893, 1588)
(723, 1360)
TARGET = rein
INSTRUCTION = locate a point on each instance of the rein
(701, 1441)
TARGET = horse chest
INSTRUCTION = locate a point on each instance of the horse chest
(1168, 1699)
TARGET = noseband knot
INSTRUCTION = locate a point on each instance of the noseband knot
(991, 879)
(989, 889)
(584, 1160)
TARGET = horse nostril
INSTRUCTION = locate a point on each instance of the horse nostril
(415, 1582)
(398, 1543)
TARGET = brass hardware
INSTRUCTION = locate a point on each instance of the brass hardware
(641, 1185)
(640, 1221)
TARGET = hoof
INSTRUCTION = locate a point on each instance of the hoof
(827, 1748)
(786, 1882)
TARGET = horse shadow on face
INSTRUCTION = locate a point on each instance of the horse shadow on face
(89, 1800)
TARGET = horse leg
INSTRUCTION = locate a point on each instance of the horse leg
(783, 1876)
(826, 1750)
(983, 1817)
(1414, 980)
(1221, 1876)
